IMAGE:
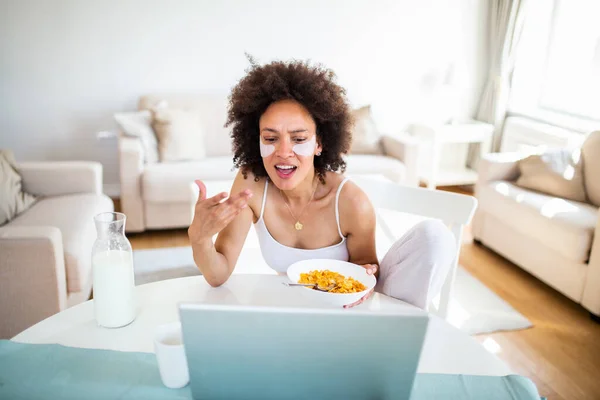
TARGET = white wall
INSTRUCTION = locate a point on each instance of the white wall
(67, 66)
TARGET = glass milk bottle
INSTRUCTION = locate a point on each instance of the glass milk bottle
(112, 267)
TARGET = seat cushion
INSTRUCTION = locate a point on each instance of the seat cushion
(170, 182)
(366, 164)
(566, 226)
(74, 216)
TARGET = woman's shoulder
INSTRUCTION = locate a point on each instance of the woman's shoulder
(248, 181)
(357, 214)
(352, 199)
(256, 186)
(333, 180)
(340, 182)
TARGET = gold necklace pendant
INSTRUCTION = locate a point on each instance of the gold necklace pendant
(298, 225)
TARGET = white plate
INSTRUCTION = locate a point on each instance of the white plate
(345, 268)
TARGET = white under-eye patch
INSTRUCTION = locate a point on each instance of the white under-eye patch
(266, 149)
(302, 149)
(307, 148)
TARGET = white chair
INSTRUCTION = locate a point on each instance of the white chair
(455, 210)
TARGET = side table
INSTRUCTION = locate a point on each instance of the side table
(434, 137)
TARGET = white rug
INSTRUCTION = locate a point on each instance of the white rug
(474, 309)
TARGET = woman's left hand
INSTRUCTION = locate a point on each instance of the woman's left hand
(371, 270)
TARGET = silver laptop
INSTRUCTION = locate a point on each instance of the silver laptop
(238, 352)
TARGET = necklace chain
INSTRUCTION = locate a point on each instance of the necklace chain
(298, 225)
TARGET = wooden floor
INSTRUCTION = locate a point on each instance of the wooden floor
(561, 353)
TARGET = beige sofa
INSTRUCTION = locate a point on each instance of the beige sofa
(555, 239)
(159, 195)
(45, 252)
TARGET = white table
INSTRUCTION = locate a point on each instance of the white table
(446, 349)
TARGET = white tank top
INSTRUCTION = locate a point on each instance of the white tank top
(280, 257)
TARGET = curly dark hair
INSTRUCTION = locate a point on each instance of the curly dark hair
(312, 86)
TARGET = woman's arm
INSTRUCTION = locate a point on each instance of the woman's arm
(231, 219)
(358, 223)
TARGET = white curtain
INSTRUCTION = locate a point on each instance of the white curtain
(505, 18)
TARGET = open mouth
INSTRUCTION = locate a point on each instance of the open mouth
(285, 171)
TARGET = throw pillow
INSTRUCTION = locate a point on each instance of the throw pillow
(557, 173)
(590, 153)
(365, 136)
(139, 124)
(180, 134)
(13, 200)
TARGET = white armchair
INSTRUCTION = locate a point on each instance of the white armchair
(399, 161)
(557, 240)
(45, 252)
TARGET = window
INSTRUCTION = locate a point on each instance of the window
(557, 70)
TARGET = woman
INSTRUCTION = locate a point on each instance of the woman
(291, 125)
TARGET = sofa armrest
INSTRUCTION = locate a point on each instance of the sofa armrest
(591, 290)
(131, 168)
(33, 284)
(498, 167)
(405, 148)
(53, 178)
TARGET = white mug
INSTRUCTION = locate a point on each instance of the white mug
(170, 355)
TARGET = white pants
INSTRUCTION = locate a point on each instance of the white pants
(415, 267)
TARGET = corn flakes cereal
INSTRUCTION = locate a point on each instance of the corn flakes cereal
(326, 278)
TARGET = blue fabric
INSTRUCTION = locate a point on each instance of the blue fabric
(51, 371)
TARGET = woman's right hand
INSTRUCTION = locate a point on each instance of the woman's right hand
(212, 215)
